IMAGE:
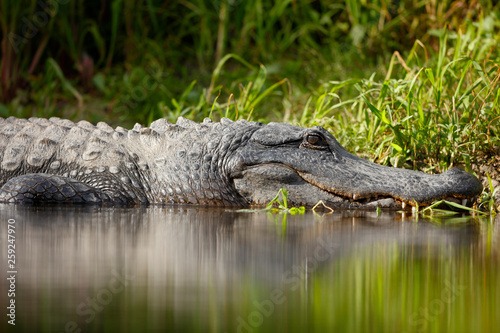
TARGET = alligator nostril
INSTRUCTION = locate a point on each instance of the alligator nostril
(454, 171)
(462, 182)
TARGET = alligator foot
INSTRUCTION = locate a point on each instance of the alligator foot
(38, 188)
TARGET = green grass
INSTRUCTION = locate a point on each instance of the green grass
(440, 114)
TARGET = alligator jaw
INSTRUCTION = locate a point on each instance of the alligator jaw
(401, 188)
(259, 184)
(368, 181)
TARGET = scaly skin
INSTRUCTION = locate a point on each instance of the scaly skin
(223, 164)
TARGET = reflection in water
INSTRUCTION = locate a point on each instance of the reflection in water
(197, 269)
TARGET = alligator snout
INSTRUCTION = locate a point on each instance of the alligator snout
(360, 180)
(414, 187)
(461, 183)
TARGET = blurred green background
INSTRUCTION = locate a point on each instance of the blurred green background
(407, 83)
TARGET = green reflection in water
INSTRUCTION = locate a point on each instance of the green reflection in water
(200, 270)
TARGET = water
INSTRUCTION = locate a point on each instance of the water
(208, 270)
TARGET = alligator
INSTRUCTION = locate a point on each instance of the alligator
(225, 163)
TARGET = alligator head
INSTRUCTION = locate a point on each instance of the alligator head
(313, 166)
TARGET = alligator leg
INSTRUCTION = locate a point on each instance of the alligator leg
(36, 188)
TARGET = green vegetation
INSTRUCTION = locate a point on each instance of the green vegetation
(433, 210)
(281, 199)
(487, 201)
(408, 83)
(279, 204)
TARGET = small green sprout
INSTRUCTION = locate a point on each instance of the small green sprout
(283, 204)
(488, 198)
(432, 210)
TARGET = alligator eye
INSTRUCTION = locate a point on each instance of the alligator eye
(313, 139)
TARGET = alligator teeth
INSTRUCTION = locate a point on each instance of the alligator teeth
(355, 197)
(464, 202)
(403, 205)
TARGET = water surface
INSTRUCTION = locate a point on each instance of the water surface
(185, 269)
